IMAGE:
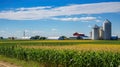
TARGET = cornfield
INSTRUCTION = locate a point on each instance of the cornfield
(61, 57)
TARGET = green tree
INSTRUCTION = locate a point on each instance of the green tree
(62, 38)
(35, 37)
(1, 38)
(43, 38)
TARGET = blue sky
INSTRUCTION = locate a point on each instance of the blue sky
(56, 17)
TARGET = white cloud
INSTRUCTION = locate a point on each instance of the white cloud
(37, 32)
(85, 19)
(33, 8)
(54, 29)
(89, 26)
(2, 31)
(98, 20)
(36, 13)
(19, 34)
(33, 32)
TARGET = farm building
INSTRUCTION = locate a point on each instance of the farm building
(103, 32)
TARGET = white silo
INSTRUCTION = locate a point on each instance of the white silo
(91, 34)
(107, 29)
(95, 33)
(101, 33)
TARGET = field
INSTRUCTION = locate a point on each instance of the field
(64, 53)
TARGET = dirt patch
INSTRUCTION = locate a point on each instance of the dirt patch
(7, 64)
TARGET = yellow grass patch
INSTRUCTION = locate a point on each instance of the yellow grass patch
(85, 47)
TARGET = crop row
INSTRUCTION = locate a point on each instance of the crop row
(57, 42)
(63, 58)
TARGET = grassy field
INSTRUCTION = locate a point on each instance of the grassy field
(64, 53)
(95, 45)
(19, 63)
(58, 42)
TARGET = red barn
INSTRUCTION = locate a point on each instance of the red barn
(78, 34)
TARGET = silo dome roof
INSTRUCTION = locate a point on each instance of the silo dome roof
(107, 21)
(95, 26)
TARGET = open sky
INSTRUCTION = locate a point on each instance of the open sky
(56, 17)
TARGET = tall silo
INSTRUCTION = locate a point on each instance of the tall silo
(107, 29)
(90, 34)
(95, 33)
(101, 33)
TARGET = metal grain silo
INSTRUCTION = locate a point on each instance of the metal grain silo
(95, 33)
(107, 29)
(101, 33)
(90, 34)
